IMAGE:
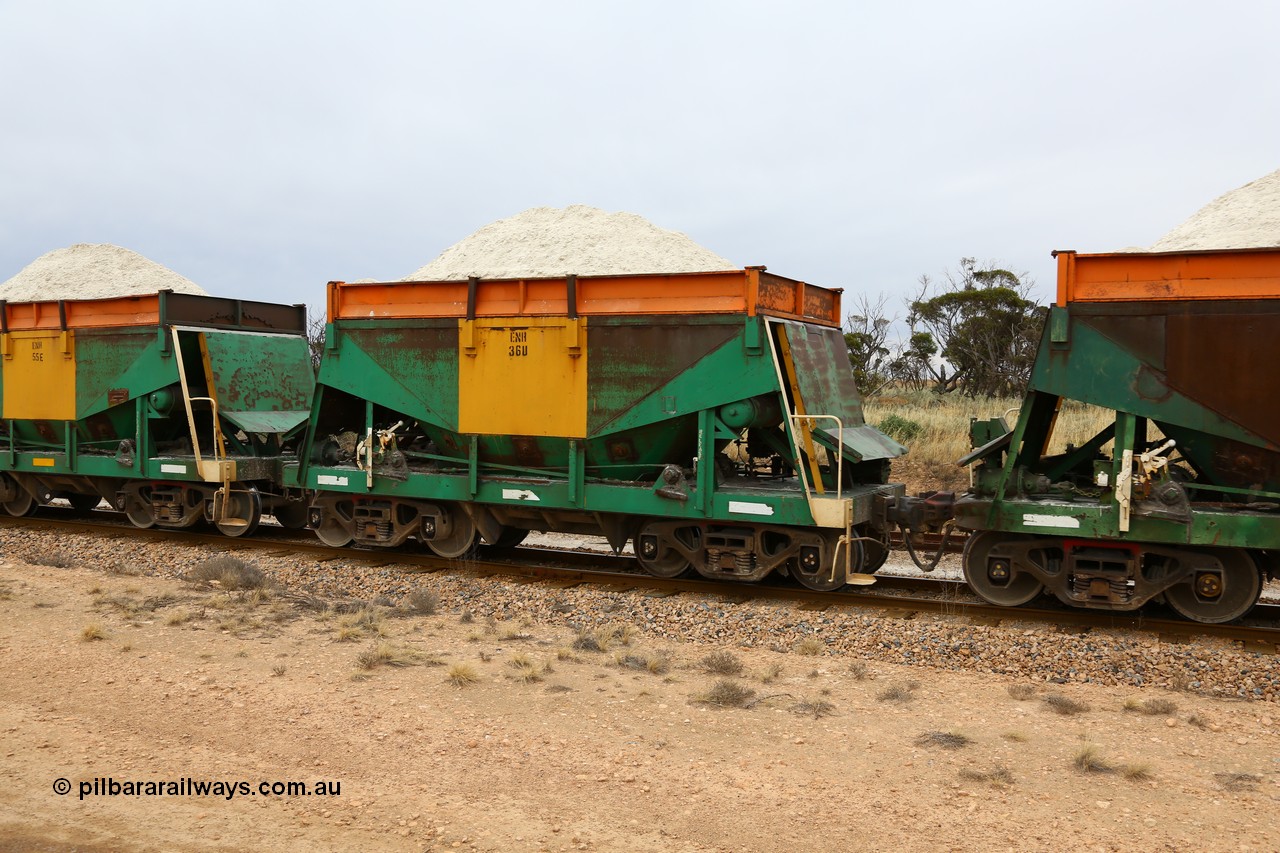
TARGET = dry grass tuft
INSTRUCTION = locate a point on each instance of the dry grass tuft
(278, 670)
(901, 692)
(1064, 705)
(810, 646)
(727, 694)
(385, 654)
(134, 607)
(420, 602)
(527, 674)
(1088, 760)
(721, 662)
(1158, 707)
(587, 641)
(1136, 772)
(817, 708)
(462, 675)
(946, 740)
(605, 638)
(998, 775)
(617, 633)
(229, 573)
(348, 634)
(93, 631)
(56, 559)
(119, 567)
(255, 597)
(367, 620)
(656, 663)
(178, 617)
(1238, 781)
(1021, 692)
(860, 671)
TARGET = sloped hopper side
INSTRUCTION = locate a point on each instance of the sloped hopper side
(1198, 369)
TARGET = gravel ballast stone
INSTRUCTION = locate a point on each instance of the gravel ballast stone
(1019, 651)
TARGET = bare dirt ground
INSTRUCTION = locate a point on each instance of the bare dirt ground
(556, 748)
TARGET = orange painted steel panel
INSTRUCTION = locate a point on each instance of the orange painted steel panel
(1165, 276)
(84, 313)
(733, 292)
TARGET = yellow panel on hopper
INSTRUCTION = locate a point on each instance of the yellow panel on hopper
(40, 376)
(523, 376)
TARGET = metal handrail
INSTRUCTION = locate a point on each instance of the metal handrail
(839, 452)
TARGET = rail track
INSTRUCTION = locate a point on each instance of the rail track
(894, 595)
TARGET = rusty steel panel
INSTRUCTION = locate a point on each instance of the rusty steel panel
(412, 368)
(631, 361)
(262, 373)
(1216, 353)
(1226, 360)
(185, 309)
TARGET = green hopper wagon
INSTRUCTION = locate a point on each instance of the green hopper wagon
(711, 418)
(1177, 499)
(175, 408)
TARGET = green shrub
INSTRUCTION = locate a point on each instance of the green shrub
(900, 429)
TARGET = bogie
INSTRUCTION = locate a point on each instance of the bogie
(1202, 584)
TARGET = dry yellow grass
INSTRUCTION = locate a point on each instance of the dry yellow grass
(944, 430)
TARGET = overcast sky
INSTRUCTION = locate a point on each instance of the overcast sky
(262, 149)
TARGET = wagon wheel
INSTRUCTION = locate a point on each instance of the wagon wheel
(137, 508)
(21, 505)
(454, 537)
(241, 511)
(994, 578)
(815, 571)
(657, 556)
(509, 538)
(336, 523)
(876, 550)
(292, 515)
(83, 503)
(1212, 596)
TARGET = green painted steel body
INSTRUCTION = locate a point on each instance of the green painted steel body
(661, 391)
(1200, 373)
(131, 421)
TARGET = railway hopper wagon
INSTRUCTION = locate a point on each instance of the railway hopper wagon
(710, 418)
(1178, 497)
(175, 408)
